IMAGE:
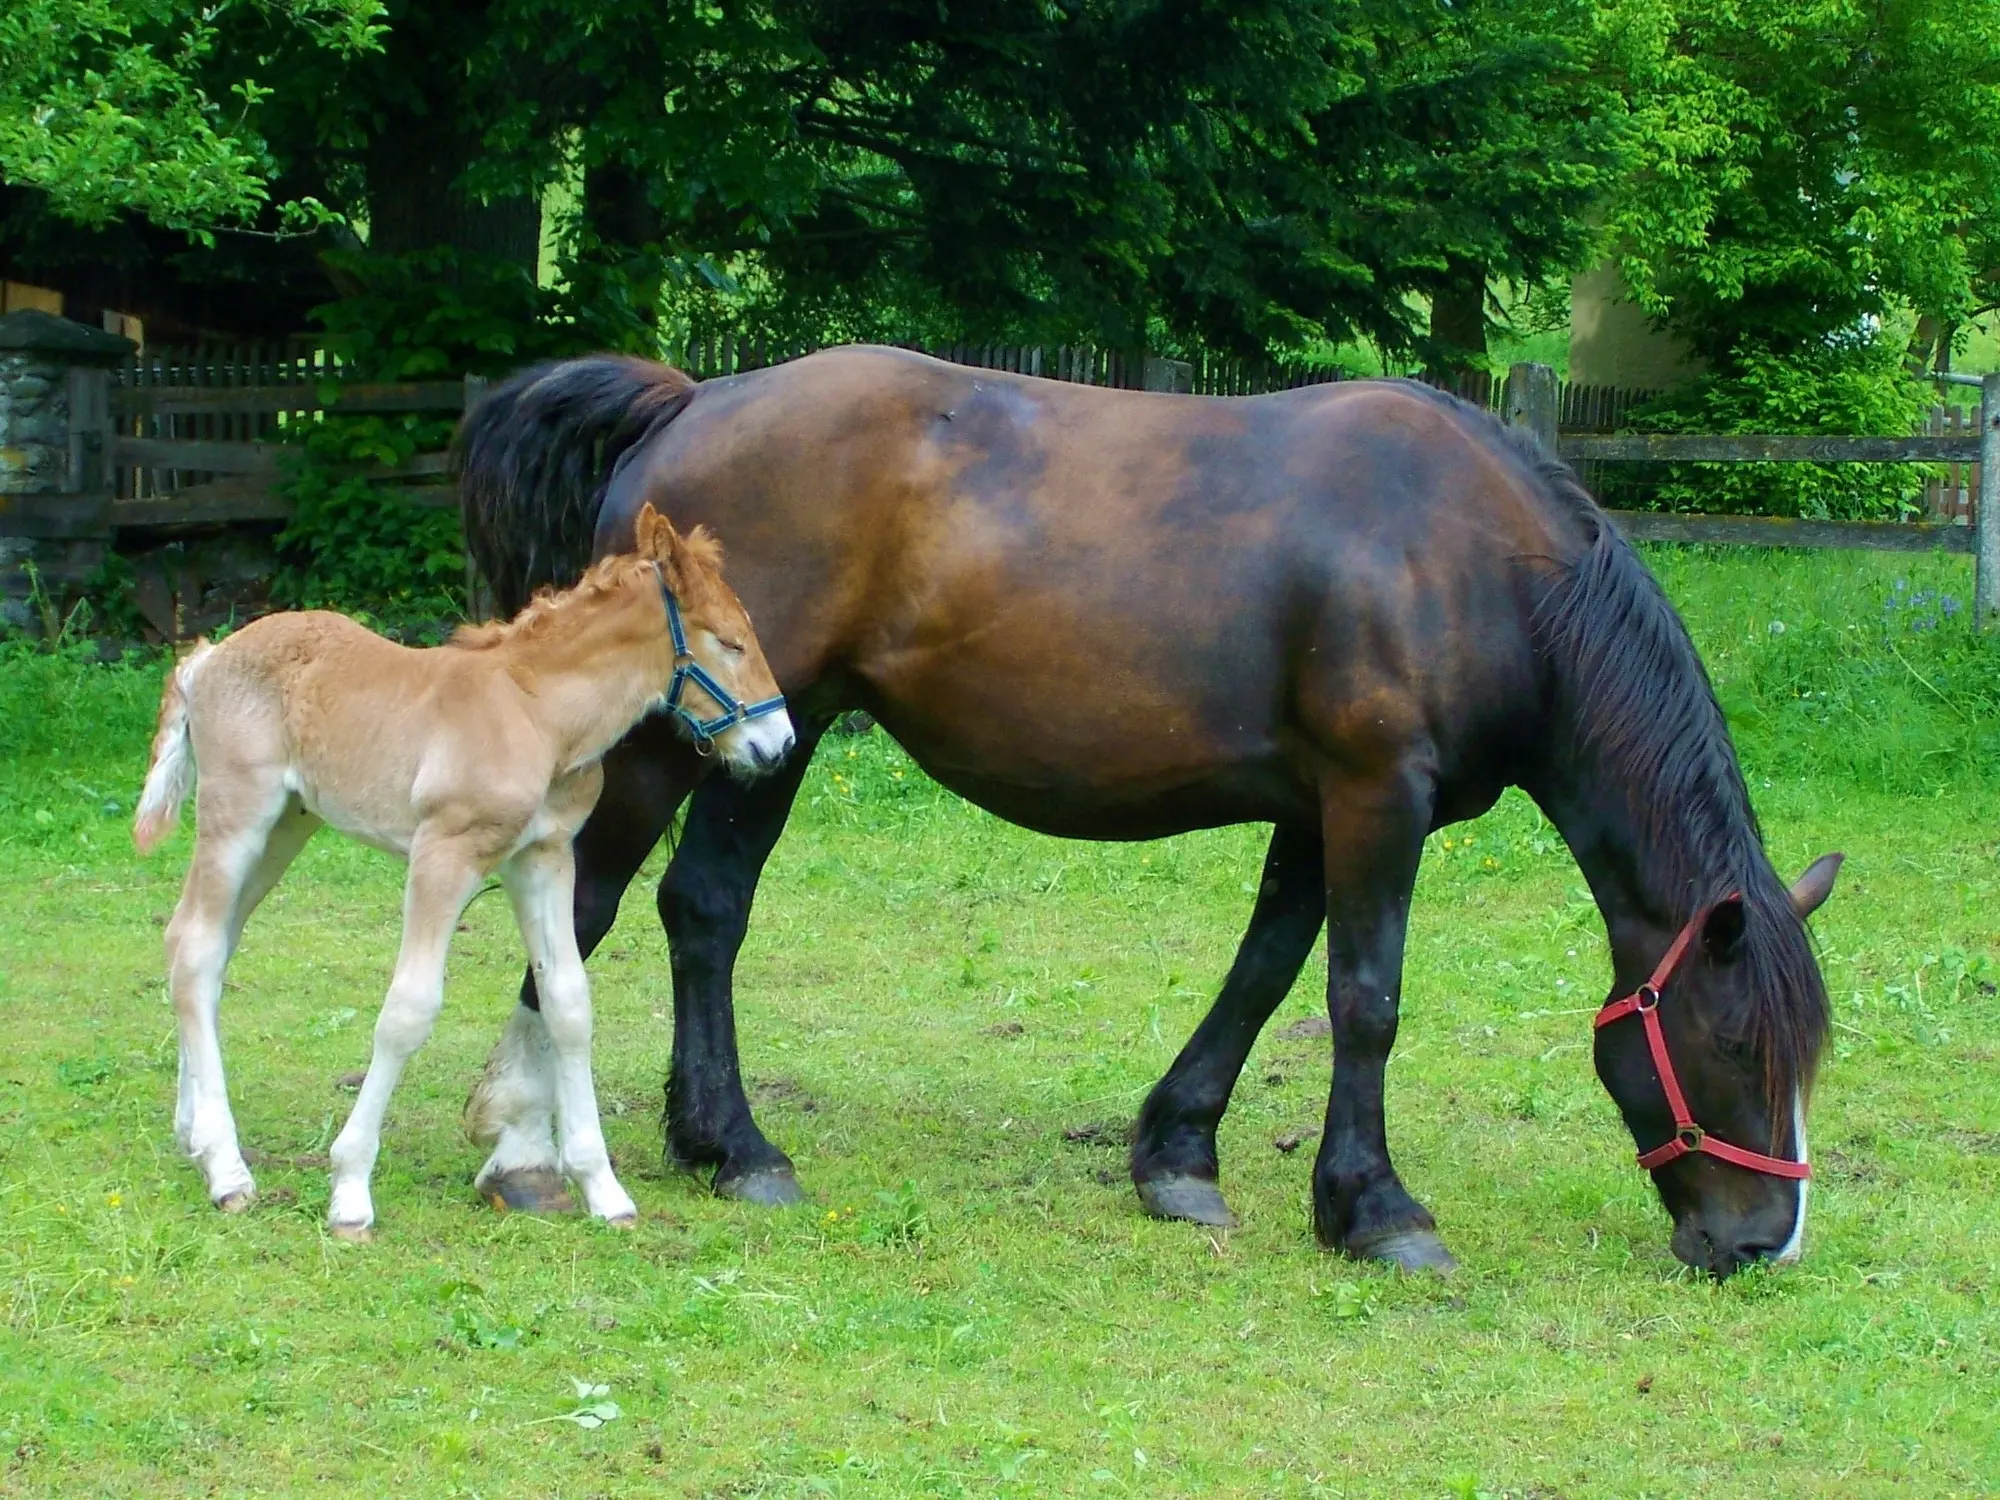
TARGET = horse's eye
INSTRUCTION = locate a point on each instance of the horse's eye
(735, 648)
(1738, 1047)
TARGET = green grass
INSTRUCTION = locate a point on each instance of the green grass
(972, 1305)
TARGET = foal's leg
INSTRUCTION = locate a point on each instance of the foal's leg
(1374, 835)
(232, 852)
(512, 1108)
(1174, 1161)
(444, 876)
(732, 826)
(290, 834)
(541, 883)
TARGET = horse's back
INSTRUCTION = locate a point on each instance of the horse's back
(1123, 603)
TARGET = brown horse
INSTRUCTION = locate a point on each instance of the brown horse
(1355, 612)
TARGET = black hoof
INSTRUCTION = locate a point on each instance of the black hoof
(1406, 1249)
(539, 1190)
(1195, 1199)
(767, 1188)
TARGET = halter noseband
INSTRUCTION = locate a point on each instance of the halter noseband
(687, 669)
(1688, 1137)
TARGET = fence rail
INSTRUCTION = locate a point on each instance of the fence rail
(196, 438)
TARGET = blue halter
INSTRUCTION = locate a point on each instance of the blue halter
(687, 669)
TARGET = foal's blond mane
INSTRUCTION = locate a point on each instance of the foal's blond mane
(697, 552)
(603, 578)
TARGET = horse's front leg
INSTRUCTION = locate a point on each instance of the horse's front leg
(705, 898)
(1374, 832)
(512, 1108)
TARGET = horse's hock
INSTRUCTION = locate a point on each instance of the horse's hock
(55, 379)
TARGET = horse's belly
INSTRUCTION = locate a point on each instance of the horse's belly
(1079, 804)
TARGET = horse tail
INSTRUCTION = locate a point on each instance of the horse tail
(171, 776)
(534, 456)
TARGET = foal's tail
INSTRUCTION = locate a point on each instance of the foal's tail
(534, 456)
(171, 776)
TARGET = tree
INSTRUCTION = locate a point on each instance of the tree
(103, 107)
(1275, 172)
(1804, 168)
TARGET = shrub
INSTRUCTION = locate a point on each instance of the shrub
(1853, 387)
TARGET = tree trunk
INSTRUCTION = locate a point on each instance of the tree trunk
(1458, 316)
(414, 202)
(618, 209)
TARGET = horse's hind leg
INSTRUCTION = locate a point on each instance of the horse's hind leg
(1174, 1163)
(512, 1107)
(1374, 832)
(705, 897)
(540, 882)
(233, 850)
(444, 875)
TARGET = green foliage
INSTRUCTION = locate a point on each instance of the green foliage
(1856, 386)
(1800, 165)
(108, 106)
(354, 541)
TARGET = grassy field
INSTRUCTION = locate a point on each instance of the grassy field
(933, 1004)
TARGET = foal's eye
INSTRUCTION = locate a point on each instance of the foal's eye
(735, 648)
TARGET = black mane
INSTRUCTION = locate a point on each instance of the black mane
(1641, 710)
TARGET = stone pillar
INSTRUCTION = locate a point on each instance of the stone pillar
(55, 429)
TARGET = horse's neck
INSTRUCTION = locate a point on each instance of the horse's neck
(591, 674)
(1616, 835)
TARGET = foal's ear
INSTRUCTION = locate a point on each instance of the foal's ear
(1810, 890)
(1722, 930)
(654, 535)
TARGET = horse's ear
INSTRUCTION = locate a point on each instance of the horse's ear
(1810, 890)
(1722, 930)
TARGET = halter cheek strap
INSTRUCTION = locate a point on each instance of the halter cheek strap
(1688, 1137)
(687, 669)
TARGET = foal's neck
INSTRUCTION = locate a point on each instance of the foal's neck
(594, 667)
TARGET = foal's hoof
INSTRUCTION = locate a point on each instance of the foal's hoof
(238, 1201)
(769, 1187)
(1195, 1199)
(1407, 1249)
(624, 1221)
(354, 1234)
(536, 1190)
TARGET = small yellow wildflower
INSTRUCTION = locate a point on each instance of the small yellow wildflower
(114, 1199)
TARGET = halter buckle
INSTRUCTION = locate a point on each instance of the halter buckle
(1645, 998)
(1690, 1136)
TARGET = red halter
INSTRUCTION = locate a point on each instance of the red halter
(1688, 1136)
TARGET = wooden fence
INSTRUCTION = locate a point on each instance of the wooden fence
(197, 436)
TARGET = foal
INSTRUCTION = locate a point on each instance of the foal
(472, 758)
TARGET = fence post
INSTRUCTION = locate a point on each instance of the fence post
(1162, 374)
(1532, 402)
(1986, 546)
